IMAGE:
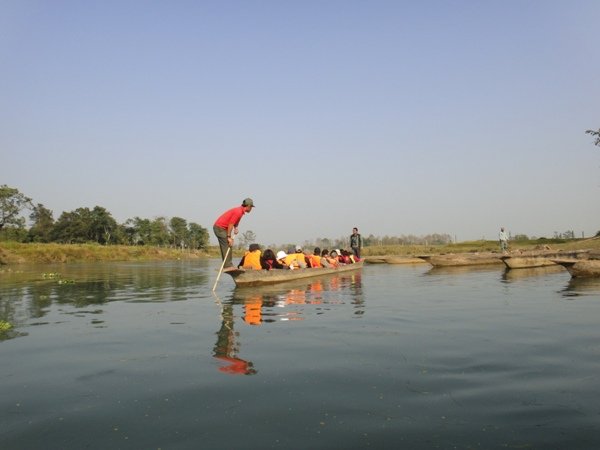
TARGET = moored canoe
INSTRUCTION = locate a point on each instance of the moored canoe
(580, 268)
(462, 259)
(262, 277)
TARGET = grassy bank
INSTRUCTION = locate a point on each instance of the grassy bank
(481, 246)
(18, 253)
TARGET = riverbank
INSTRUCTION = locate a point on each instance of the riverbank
(19, 253)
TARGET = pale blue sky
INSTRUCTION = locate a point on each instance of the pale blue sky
(396, 117)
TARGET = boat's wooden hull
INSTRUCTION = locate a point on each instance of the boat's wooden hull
(392, 260)
(403, 260)
(581, 268)
(538, 259)
(526, 262)
(460, 259)
(263, 277)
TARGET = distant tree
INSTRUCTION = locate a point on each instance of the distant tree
(159, 232)
(85, 225)
(247, 238)
(142, 231)
(102, 226)
(42, 224)
(598, 233)
(179, 231)
(596, 134)
(198, 236)
(72, 226)
(12, 202)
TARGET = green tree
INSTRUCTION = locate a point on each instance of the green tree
(179, 232)
(142, 231)
(42, 224)
(159, 232)
(85, 225)
(596, 134)
(102, 226)
(12, 202)
(198, 236)
(71, 227)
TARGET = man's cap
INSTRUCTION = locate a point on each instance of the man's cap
(248, 202)
(281, 254)
(298, 248)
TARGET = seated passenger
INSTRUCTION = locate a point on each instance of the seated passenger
(269, 261)
(284, 259)
(301, 258)
(251, 259)
(315, 258)
(334, 257)
(327, 260)
(295, 260)
(345, 257)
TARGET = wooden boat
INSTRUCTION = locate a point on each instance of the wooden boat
(462, 259)
(537, 259)
(403, 260)
(261, 277)
(374, 259)
(392, 260)
(580, 268)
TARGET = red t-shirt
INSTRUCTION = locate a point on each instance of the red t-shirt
(233, 216)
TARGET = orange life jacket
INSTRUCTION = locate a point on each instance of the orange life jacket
(252, 260)
(315, 261)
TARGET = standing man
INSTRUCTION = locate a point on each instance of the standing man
(503, 238)
(355, 242)
(226, 224)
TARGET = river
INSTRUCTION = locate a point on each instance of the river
(145, 356)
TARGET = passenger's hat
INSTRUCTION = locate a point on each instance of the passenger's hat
(281, 254)
(298, 248)
(248, 202)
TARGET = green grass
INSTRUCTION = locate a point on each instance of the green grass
(14, 253)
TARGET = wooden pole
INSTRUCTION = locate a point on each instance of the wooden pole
(221, 269)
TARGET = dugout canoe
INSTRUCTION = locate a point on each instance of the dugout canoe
(528, 260)
(462, 259)
(581, 268)
(264, 277)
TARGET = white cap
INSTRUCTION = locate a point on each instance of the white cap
(281, 254)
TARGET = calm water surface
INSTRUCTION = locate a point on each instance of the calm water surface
(144, 356)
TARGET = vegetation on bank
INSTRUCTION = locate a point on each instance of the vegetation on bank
(96, 225)
(482, 246)
(17, 253)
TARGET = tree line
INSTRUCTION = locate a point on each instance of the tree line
(96, 225)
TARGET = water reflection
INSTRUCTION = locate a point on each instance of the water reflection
(269, 304)
(29, 293)
(227, 346)
(510, 275)
(577, 287)
(461, 270)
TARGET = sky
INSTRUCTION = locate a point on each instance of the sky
(396, 117)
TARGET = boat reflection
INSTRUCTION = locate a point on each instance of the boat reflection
(510, 275)
(461, 270)
(577, 287)
(268, 304)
